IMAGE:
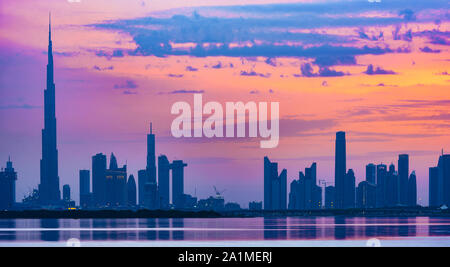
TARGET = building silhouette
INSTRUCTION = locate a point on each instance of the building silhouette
(131, 191)
(49, 193)
(439, 182)
(66, 192)
(340, 169)
(147, 186)
(433, 188)
(254, 205)
(330, 195)
(116, 184)
(412, 190)
(274, 186)
(177, 167)
(392, 190)
(382, 176)
(403, 174)
(444, 179)
(164, 181)
(304, 193)
(99, 179)
(366, 195)
(349, 190)
(85, 189)
(8, 177)
(371, 173)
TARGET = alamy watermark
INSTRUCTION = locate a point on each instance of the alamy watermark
(231, 123)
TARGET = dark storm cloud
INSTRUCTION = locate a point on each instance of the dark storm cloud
(371, 70)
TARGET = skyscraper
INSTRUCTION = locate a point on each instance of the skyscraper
(366, 195)
(304, 193)
(66, 192)
(116, 184)
(433, 187)
(49, 180)
(85, 188)
(142, 181)
(412, 190)
(177, 167)
(403, 174)
(444, 179)
(163, 181)
(99, 179)
(275, 187)
(340, 169)
(131, 191)
(381, 196)
(329, 197)
(151, 158)
(8, 178)
(349, 190)
(370, 173)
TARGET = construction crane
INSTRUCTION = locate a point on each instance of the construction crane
(218, 193)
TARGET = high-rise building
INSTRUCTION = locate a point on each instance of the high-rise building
(99, 179)
(142, 181)
(412, 190)
(392, 184)
(403, 174)
(340, 169)
(164, 181)
(151, 156)
(49, 193)
(366, 195)
(275, 187)
(349, 190)
(381, 196)
(370, 173)
(116, 184)
(66, 192)
(177, 167)
(8, 178)
(131, 191)
(85, 195)
(254, 205)
(304, 193)
(444, 179)
(433, 187)
(329, 197)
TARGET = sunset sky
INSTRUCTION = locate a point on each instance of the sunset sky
(379, 71)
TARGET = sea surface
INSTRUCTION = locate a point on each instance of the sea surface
(235, 232)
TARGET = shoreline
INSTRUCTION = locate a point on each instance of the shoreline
(129, 214)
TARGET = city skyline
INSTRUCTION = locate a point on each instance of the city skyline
(106, 96)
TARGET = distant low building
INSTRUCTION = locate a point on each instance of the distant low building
(231, 206)
(255, 205)
(8, 178)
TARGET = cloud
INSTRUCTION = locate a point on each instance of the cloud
(23, 106)
(129, 84)
(426, 49)
(254, 92)
(335, 60)
(377, 71)
(253, 73)
(172, 75)
(308, 71)
(190, 68)
(174, 92)
(128, 92)
(102, 69)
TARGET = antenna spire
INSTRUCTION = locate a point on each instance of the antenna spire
(49, 26)
(151, 128)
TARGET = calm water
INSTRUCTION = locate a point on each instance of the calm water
(291, 231)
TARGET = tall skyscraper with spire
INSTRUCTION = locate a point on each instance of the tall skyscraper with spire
(49, 192)
(151, 156)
